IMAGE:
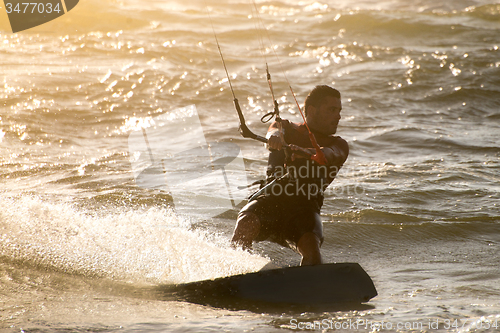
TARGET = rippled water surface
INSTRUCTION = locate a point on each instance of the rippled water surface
(82, 246)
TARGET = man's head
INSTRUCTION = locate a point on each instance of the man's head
(322, 109)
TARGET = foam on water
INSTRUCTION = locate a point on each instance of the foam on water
(152, 246)
(416, 203)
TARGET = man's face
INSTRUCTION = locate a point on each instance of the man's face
(325, 118)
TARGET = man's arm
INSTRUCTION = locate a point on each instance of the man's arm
(273, 137)
(336, 154)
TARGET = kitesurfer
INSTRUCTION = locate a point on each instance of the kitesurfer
(287, 210)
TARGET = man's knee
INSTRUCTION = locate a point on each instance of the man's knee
(248, 223)
(247, 229)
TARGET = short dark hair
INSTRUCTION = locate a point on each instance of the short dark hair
(318, 94)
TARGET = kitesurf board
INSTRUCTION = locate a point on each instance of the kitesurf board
(305, 285)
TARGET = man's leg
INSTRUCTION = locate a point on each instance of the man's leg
(308, 246)
(247, 229)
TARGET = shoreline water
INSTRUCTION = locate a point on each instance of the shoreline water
(82, 246)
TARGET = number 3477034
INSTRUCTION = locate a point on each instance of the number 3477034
(32, 7)
(481, 323)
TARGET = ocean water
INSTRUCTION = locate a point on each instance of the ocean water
(85, 241)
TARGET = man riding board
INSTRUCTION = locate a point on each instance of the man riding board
(287, 209)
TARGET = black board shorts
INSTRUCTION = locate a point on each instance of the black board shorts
(284, 220)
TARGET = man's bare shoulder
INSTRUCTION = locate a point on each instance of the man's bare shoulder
(340, 148)
(341, 143)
